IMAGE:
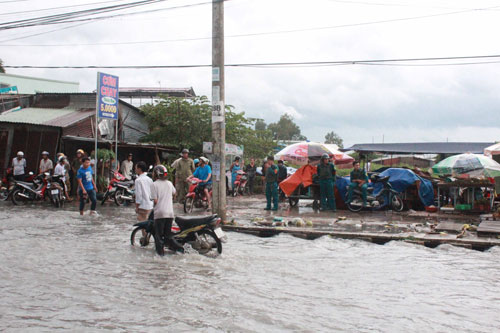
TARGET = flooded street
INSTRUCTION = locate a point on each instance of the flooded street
(63, 272)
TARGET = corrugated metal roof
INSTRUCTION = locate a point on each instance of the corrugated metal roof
(46, 117)
(421, 147)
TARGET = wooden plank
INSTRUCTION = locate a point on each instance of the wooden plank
(450, 226)
(488, 228)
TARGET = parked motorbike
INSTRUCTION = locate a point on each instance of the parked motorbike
(7, 183)
(110, 191)
(387, 197)
(23, 192)
(196, 197)
(202, 233)
(240, 183)
(55, 191)
(124, 192)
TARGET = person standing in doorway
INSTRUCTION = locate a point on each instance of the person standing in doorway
(271, 184)
(326, 174)
(184, 168)
(251, 170)
(86, 186)
(127, 166)
(46, 164)
(162, 193)
(76, 163)
(19, 166)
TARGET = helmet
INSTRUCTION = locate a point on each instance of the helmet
(204, 159)
(196, 161)
(325, 156)
(20, 153)
(61, 158)
(80, 151)
(45, 153)
(160, 172)
(184, 151)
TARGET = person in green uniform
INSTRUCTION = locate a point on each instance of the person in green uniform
(359, 179)
(326, 175)
(271, 177)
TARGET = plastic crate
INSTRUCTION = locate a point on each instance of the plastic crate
(463, 207)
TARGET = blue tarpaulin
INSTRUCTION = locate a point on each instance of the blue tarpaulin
(401, 179)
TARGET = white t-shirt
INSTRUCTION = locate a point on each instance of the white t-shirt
(18, 166)
(163, 191)
(60, 170)
(127, 167)
(143, 192)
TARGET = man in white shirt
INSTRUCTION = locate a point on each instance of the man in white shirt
(143, 203)
(46, 164)
(60, 170)
(19, 166)
(127, 167)
(162, 192)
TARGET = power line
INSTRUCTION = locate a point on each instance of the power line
(284, 64)
(62, 7)
(256, 33)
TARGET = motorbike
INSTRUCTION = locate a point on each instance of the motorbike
(240, 183)
(30, 191)
(203, 234)
(110, 191)
(55, 190)
(196, 197)
(7, 183)
(387, 197)
(124, 192)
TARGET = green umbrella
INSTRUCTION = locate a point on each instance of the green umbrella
(468, 164)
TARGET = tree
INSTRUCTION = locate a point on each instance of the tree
(260, 125)
(334, 138)
(286, 129)
(2, 70)
(187, 123)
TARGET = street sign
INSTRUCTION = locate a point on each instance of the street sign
(107, 96)
(8, 89)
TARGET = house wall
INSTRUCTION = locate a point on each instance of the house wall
(32, 85)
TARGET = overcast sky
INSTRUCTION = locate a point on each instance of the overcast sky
(362, 103)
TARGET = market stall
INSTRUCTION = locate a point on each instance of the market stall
(467, 195)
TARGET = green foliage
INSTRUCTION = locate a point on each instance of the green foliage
(187, 123)
(105, 155)
(286, 129)
(334, 138)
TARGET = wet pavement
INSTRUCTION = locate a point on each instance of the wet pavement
(60, 271)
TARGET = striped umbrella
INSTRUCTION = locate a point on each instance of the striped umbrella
(303, 153)
(468, 164)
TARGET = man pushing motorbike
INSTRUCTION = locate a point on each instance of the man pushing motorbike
(162, 193)
(204, 173)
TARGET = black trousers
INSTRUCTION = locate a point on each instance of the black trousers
(163, 231)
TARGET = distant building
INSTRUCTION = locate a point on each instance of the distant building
(413, 161)
(139, 96)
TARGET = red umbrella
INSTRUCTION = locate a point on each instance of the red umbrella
(303, 153)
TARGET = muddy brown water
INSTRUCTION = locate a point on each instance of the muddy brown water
(62, 272)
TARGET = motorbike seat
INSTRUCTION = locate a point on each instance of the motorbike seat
(125, 183)
(26, 184)
(190, 222)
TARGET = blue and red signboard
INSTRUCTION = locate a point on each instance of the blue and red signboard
(107, 96)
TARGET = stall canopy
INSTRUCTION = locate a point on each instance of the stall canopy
(492, 150)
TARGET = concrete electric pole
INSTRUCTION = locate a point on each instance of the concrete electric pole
(218, 111)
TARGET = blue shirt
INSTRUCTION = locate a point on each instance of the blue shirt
(86, 176)
(202, 174)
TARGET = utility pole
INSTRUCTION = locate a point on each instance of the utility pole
(218, 111)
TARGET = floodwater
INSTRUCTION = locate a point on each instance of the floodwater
(62, 272)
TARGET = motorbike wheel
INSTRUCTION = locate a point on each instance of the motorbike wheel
(188, 205)
(119, 201)
(56, 202)
(236, 191)
(397, 203)
(17, 199)
(136, 236)
(208, 244)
